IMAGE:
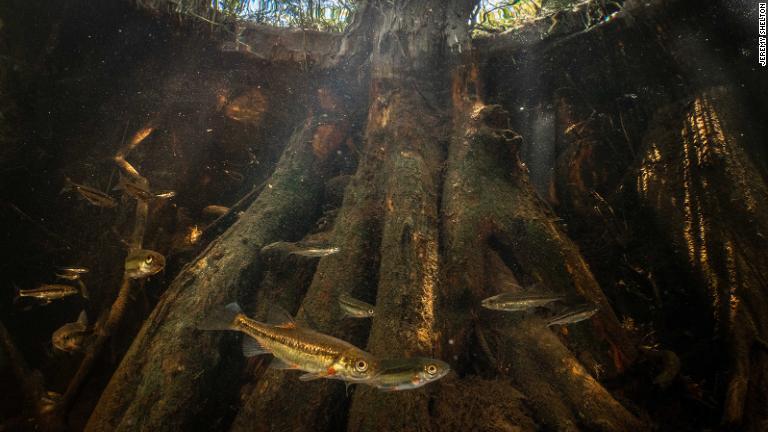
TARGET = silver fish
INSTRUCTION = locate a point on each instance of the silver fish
(355, 308)
(71, 273)
(92, 195)
(408, 373)
(48, 292)
(574, 314)
(301, 249)
(513, 302)
(74, 270)
(71, 336)
(68, 276)
(141, 191)
(165, 194)
(315, 252)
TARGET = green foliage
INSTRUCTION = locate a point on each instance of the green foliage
(329, 15)
(497, 15)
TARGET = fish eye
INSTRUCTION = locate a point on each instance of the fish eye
(431, 369)
(370, 311)
(361, 365)
(148, 259)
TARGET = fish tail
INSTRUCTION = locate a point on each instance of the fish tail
(221, 319)
(16, 294)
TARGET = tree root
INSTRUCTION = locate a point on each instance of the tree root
(490, 210)
(165, 378)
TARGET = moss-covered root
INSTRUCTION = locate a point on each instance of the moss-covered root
(279, 400)
(408, 276)
(166, 380)
(495, 230)
(696, 175)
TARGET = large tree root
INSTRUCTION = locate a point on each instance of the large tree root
(408, 276)
(279, 400)
(695, 175)
(165, 380)
(497, 230)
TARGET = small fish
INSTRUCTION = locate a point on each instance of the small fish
(215, 211)
(74, 270)
(49, 401)
(142, 263)
(165, 194)
(141, 192)
(513, 302)
(93, 196)
(408, 373)
(71, 336)
(301, 249)
(317, 354)
(355, 308)
(133, 188)
(48, 292)
(68, 276)
(71, 273)
(574, 314)
(315, 252)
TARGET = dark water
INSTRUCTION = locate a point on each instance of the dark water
(80, 80)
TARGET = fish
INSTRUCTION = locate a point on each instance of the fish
(574, 314)
(408, 373)
(293, 347)
(142, 263)
(74, 270)
(315, 252)
(71, 273)
(301, 249)
(48, 292)
(215, 211)
(49, 401)
(71, 336)
(92, 195)
(141, 192)
(513, 302)
(68, 276)
(164, 194)
(355, 308)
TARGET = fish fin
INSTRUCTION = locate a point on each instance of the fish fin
(278, 316)
(277, 363)
(221, 319)
(82, 319)
(83, 289)
(252, 347)
(310, 377)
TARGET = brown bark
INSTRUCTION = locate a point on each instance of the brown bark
(497, 229)
(695, 175)
(165, 380)
(279, 397)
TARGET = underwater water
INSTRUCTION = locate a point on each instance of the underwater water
(383, 215)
